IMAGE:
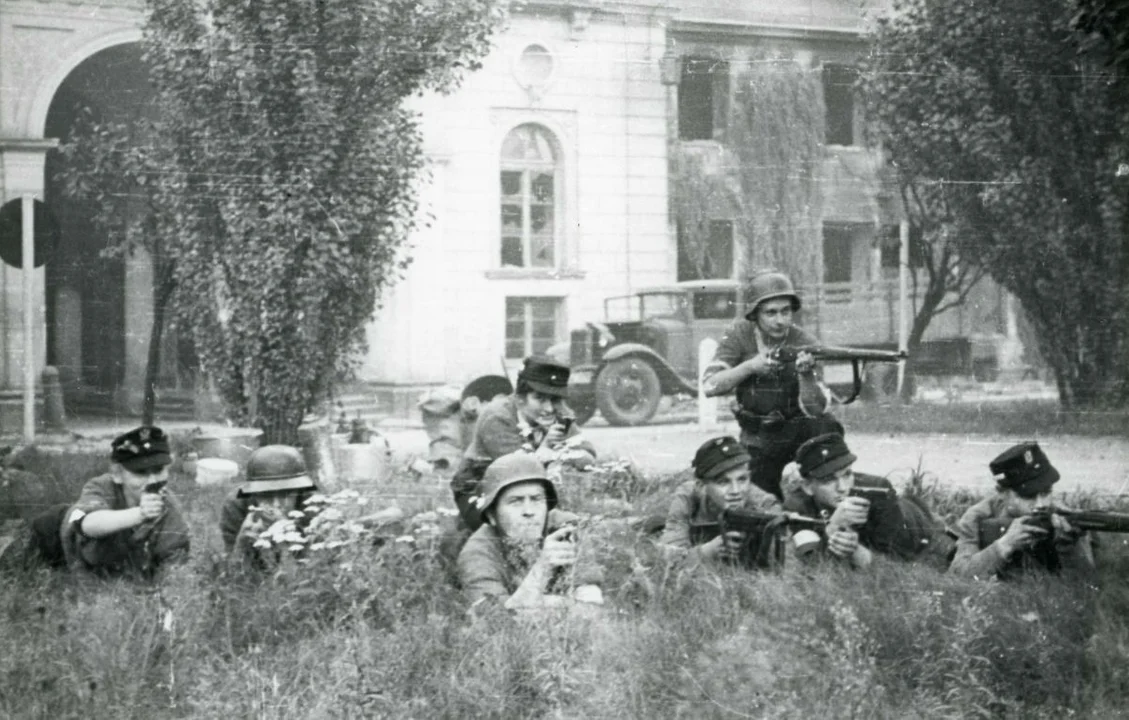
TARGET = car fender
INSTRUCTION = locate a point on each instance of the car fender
(671, 381)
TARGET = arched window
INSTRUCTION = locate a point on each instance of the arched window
(530, 192)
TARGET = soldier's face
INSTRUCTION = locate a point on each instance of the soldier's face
(539, 409)
(133, 482)
(730, 489)
(828, 493)
(1019, 506)
(521, 509)
(774, 317)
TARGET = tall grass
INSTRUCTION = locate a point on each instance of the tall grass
(380, 632)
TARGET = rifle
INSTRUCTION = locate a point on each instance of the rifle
(992, 529)
(855, 356)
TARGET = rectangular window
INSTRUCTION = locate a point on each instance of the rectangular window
(839, 99)
(702, 92)
(891, 241)
(528, 222)
(713, 260)
(532, 325)
(837, 242)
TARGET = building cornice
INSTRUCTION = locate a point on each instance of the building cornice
(735, 29)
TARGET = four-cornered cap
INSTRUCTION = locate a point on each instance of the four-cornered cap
(545, 376)
(1025, 469)
(823, 456)
(140, 449)
(718, 456)
(768, 286)
(517, 467)
(276, 468)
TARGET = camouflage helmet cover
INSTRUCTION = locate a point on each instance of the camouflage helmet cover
(768, 286)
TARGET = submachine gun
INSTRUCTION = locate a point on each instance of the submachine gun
(991, 529)
(831, 353)
(765, 534)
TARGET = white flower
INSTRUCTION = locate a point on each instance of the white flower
(427, 517)
(295, 548)
(262, 544)
(405, 539)
(447, 512)
(331, 514)
(296, 514)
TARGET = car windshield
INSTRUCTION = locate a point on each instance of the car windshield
(663, 305)
(721, 305)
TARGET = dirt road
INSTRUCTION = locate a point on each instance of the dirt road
(1095, 464)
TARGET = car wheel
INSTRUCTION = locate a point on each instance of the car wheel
(628, 391)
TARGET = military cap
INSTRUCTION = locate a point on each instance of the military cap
(824, 455)
(140, 449)
(517, 467)
(1025, 469)
(543, 374)
(718, 456)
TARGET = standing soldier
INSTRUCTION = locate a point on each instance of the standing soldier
(779, 405)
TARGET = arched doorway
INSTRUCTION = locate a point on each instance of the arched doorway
(99, 309)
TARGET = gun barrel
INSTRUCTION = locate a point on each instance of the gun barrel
(835, 353)
(1097, 520)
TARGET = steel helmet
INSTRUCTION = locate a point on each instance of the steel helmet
(767, 286)
(277, 468)
(517, 467)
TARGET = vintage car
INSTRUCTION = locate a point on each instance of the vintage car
(646, 347)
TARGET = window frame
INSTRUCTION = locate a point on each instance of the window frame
(528, 302)
(844, 69)
(526, 169)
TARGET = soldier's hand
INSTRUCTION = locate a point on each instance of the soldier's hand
(762, 364)
(267, 514)
(851, 512)
(1020, 536)
(843, 543)
(559, 548)
(1063, 529)
(152, 505)
(723, 547)
(554, 438)
(805, 362)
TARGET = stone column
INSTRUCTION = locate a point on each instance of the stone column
(138, 328)
(21, 173)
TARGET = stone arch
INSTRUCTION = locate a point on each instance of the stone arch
(35, 119)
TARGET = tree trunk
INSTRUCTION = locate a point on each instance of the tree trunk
(161, 298)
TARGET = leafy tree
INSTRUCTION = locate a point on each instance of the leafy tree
(699, 195)
(1008, 140)
(278, 184)
(774, 143)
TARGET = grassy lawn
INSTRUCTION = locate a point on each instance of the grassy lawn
(367, 632)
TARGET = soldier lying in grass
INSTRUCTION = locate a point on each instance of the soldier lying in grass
(721, 481)
(1013, 531)
(863, 513)
(526, 554)
(535, 418)
(277, 484)
(125, 522)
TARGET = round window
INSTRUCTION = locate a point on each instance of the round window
(534, 66)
